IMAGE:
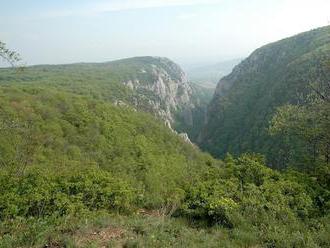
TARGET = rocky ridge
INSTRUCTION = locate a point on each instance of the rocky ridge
(167, 87)
(164, 87)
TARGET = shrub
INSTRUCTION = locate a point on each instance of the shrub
(211, 201)
(41, 194)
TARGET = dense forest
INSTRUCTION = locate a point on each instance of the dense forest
(293, 72)
(154, 85)
(86, 162)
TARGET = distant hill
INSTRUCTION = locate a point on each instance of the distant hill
(245, 100)
(210, 74)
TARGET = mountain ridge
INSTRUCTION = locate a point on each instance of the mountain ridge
(152, 84)
(245, 100)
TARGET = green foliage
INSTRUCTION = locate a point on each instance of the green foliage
(9, 56)
(69, 158)
(211, 201)
(274, 207)
(251, 169)
(277, 74)
(106, 82)
(50, 129)
(77, 155)
(304, 129)
(40, 194)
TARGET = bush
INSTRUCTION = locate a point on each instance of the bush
(41, 194)
(211, 201)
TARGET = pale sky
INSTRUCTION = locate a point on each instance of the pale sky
(187, 31)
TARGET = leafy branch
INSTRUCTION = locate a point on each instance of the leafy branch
(9, 56)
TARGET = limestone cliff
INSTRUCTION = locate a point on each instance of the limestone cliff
(160, 87)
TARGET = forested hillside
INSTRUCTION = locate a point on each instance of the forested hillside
(289, 71)
(151, 84)
(75, 167)
(87, 158)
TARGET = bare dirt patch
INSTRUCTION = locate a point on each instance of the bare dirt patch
(101, 237)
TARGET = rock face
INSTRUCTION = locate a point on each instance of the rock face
(158, 86)
(161, 84)
(185, 137)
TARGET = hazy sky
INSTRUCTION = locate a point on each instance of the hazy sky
(65, 31)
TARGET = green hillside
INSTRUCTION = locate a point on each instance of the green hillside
(151, 84)
(85, 161)
(103, 81)
(246, 100)
(58, 131)
(71, 165)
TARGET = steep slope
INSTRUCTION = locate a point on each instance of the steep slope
(160, 80)
(80, 166)
(53, 131)
(67, 161)
(191, 121)
(151, 84)
(245, 100)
